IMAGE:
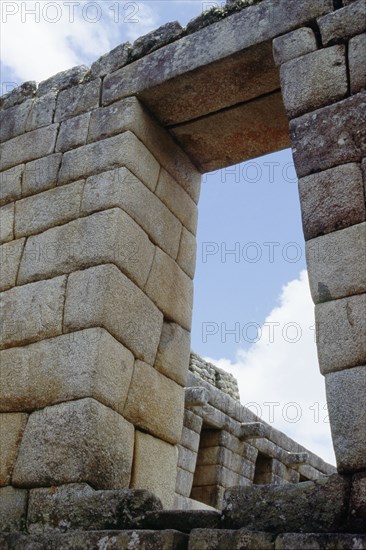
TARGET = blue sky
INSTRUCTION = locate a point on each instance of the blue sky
(252, 209)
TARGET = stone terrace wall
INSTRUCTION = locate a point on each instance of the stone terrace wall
(222, 380)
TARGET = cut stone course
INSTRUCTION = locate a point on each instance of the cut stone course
(41, 174)
(170, 289)
(10, 255)
(11, 430)
(75, 442)
(150, 452)
(65, 79)
(357, 63)
(73, 133)
(111, 61)
(155, 403)
(314, 80)
(103, 296)
(19, 94)
(294, 44)
(29, 146)
(11, 184)
(13, 121)
(89, 363)
(53, 207)
(42, 112)
(32, 312)
(332, 200)
(7, 223)
(121, 188)
(77, 100)
(344, 23)
(172, 358)
(340, 329)
(337, 263)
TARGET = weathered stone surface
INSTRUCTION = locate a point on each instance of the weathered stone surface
(332, 200)
(186, 459)
(11, 431)
(330, 136)
(155, 403)
(53, 207)
(190, 439)
(317, 542)
(75, 442)
(43, 109)
(155, 39)
(294, 44)
(170, 289)
(13, 121)
(192, 421)
(346, 392)
(105, 237)
(155, 467)
(73, 133)
(7, 223)
(129, 114)
(77, 100)
(11, 184)
(62, 80)
(41, 174)
(18, 95)
(122, 150)
(341, 326)
(111, 61)
(231, 135)
(178, 201)
(212, 495)
(29, 146)
(357, 507)
(357, 63)
(215, 475)
(321, 506)
(13, 510)
(314, 80)
(184, 521)
(336, 263)
(196, 397)
(32, 312)
(121, 188)
(224, 539)
(103, 296)
(10, 254)
(114, 540)
(187, 253)
(172, 358)
(89, 363)
(78, 507)
(184, 482)
(343, 24)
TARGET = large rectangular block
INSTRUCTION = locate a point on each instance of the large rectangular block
(11, 184)
(173, 354)
(121, 188)
(314, 80)
(53, 207)
(41, 174)
(171, 289)
(332, 200)
(105, 237)
(186, 459)
(103, 296)
(192, 421)
(78, 99)
(89, 363)
(29, 146)
(343, 24)
(80, 441)
(43, 109)
(155, 403)
(10, 255)
(12, 426)
(129, 114)
(155, 467)
(346, 392)
(341, 329)
(187, 253)
(62, 80)
(32, 312)
(293, 44)
(330, 136)
(214, 475)
(122, 150)
(73, 133)
(13, 121)
(7, 223)
(357, 63)
(337, 263)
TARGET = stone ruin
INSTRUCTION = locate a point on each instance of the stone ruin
(112, 434)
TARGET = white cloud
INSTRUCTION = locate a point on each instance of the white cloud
(282, 368)
(34, 48)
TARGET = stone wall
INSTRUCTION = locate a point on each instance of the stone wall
(219, 378)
